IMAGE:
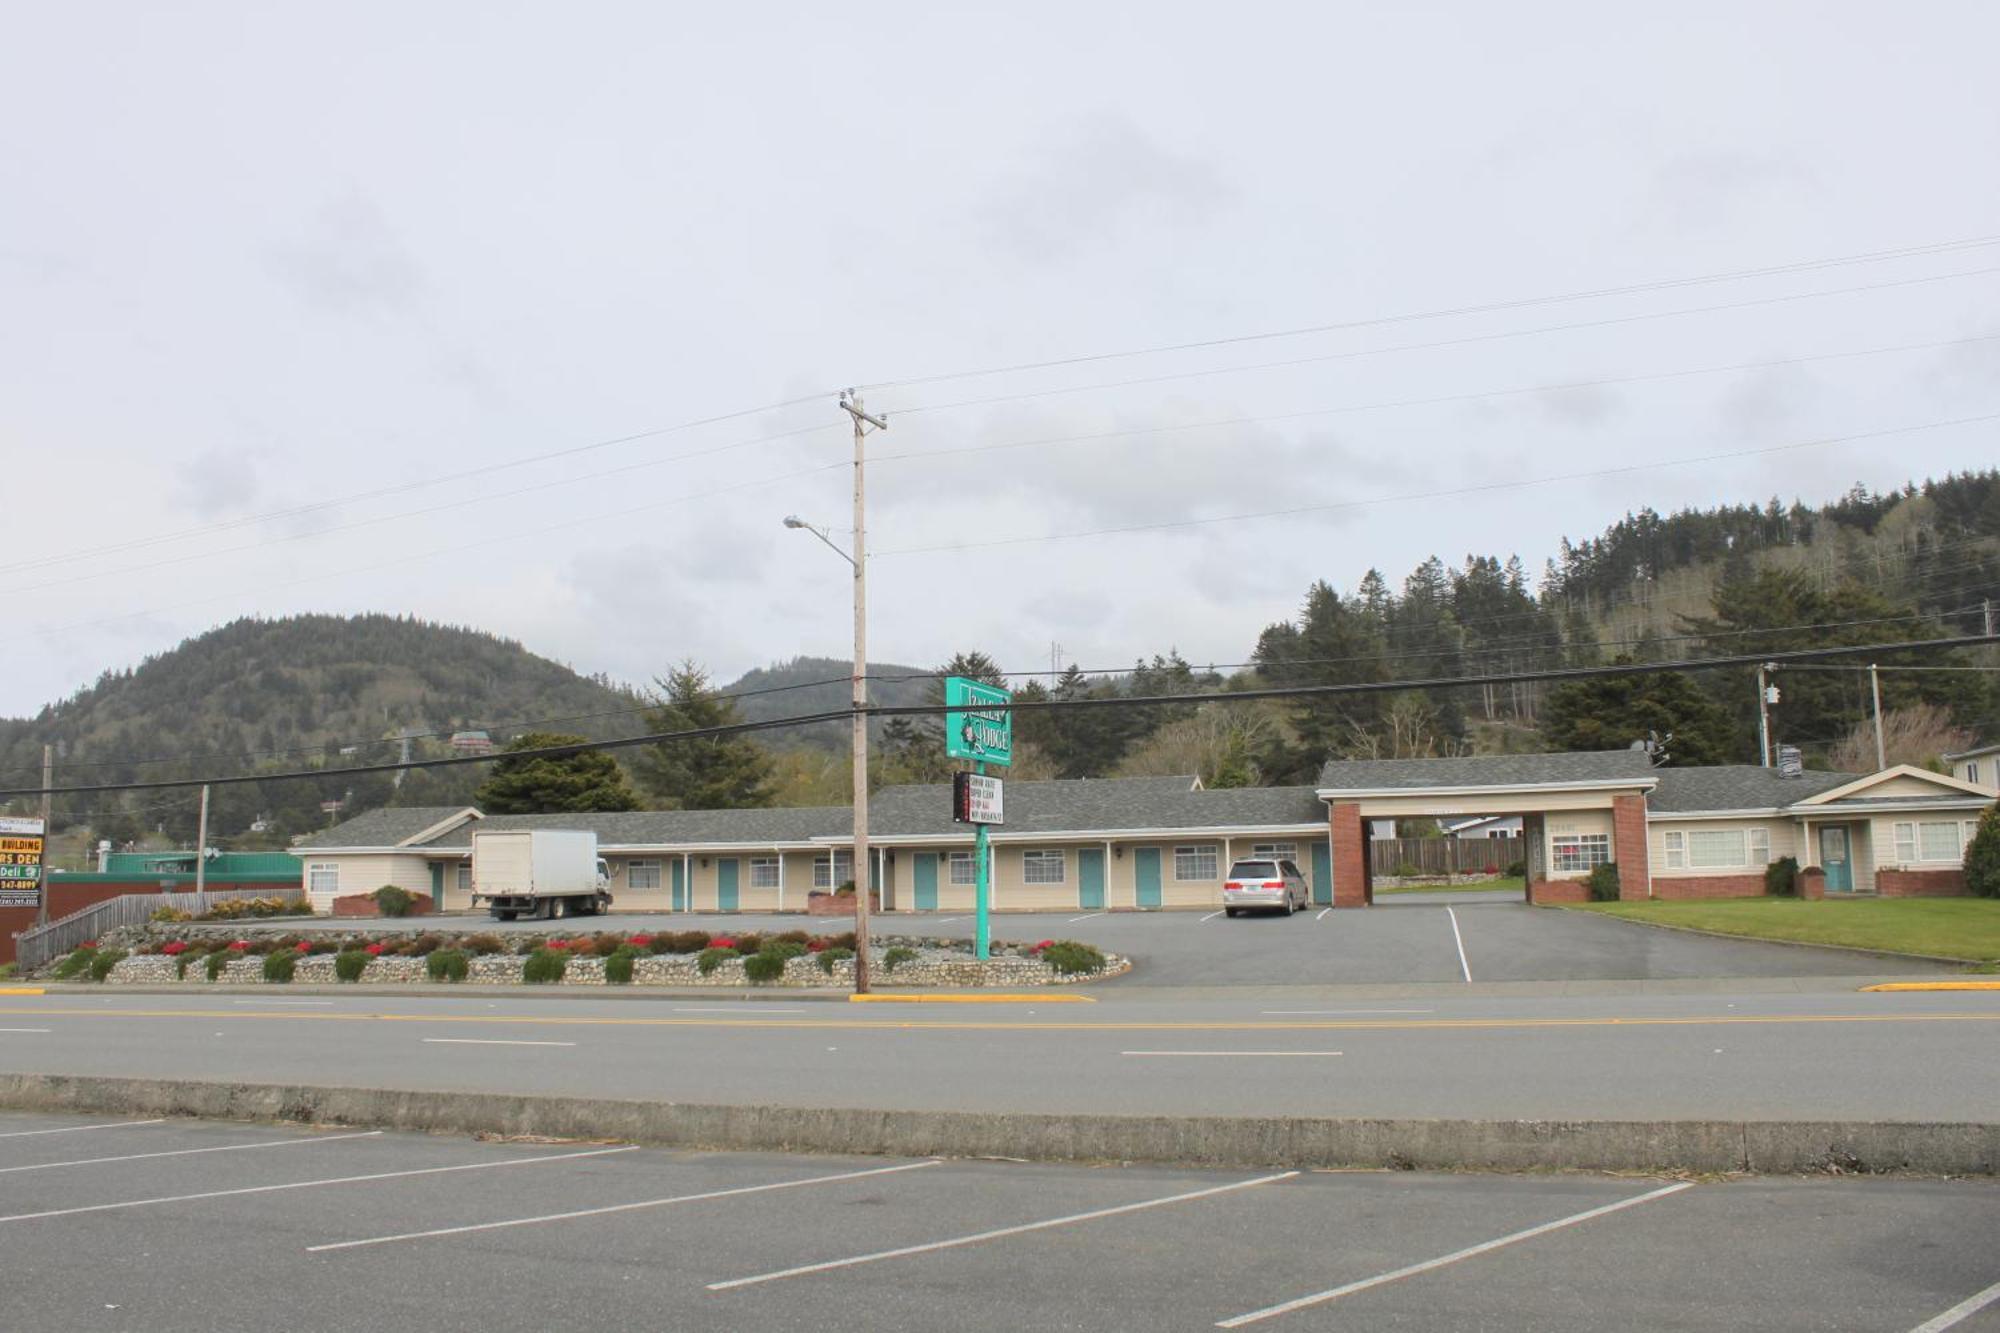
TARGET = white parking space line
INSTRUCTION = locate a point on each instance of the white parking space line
(1471, 1251)
(490, 1041)
(1085, 917)
(78, 1129)
(1322, 913)
(946, 920)
(189, 1152)
(1229, 1053)
(1459, 940)
(616, 1208)
(314, 1184)
(977, 1237)
(1210, 917)
(1961, 1312)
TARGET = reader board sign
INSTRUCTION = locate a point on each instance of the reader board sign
(975, 799)
(973, 729)
(22, 846)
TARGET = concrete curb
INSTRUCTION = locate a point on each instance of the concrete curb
(1771, 1147)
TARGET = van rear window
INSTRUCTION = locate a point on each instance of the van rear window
(1254, 870)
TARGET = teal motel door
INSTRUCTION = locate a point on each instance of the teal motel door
(1322, 874)
(1146, 875)
(1090, 878)
(437, 886)
(725, 884)
(680, 884)
(926, 877)
(1835, 859)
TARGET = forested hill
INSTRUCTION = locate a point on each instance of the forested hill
(807, 685)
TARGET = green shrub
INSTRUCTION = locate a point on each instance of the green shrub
(681, 941)
(784, 948)
(1781, 877)
(216, 961)
(1405, 870)
(391, 900)
(829, 958)
(323, 945)
(1603, 883)
(77, 960)
(618, 967)
(764, 966)
(1982, 856)
(279, 966)
(1071, 958)
(898, 956)
(798, 937)
(1516, 870)
(106, 959)
(545, 967)
(841, 941)
(479, 946)
(181, 963)
(708, 960)
(349, 964)
(447, 965)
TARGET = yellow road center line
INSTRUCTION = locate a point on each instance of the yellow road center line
(22, 990)
(995, 1025)
(1934, 985)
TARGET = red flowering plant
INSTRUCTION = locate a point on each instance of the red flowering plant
(173, 948)
(815, 944)
(239, 946)
(305, 946)
(88, 944)
(556, 944)
(583, 944)
(722, 942)
(640, 941)
(1037, 948)
(374, 950)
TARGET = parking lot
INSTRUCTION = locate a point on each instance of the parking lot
(1406, 939)
(153, 1225)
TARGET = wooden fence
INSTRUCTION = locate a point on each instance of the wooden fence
(1413, 857)
(38, 944)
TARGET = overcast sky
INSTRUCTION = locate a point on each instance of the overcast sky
(259, 261)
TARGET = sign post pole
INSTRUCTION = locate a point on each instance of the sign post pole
(978, 726)
(982, 932)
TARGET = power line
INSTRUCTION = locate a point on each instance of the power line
(1801, 266)
(1149, 701)
(1479, 489)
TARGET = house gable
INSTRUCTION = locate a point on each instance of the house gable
(1904, 782)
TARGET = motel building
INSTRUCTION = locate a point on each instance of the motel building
(1159, 843)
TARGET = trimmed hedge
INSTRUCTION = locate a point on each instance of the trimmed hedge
(618, 967)
(764, 966)
(1781, 877)
(280, 966)
(390, 900)
(545, 967)
(447, 965)
(1603, 883)
(1072, 958)
(708, 960)
(349, 964)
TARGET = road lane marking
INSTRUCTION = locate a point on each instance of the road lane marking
(1303, 1013)
(304, 1004)
(189, 1152)
(977, 1237)
(1961, 1312)
(955, 997)
(1459, 940)
(1471, 1251)
(1322, 913)
(1022, 1025)
(78, 1129)
(740, 1006)
(22, 990)
(1229, 1052)
(946, 920)
(313, 1184)
(616, 1208)
(1934, 985)
(1085, 917)
(1210, 917)
(43, 1031)
(490, 1041)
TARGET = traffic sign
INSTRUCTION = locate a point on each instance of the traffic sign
(975, 799)
(973, 728)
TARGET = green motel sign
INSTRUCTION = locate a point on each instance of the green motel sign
(973, 728)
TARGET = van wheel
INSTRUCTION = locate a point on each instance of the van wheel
(1229, 912)
(500, 914)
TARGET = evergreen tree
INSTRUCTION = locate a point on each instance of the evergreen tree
(562, 784)
(1611, 712)
(1982, 857)
(727, 772)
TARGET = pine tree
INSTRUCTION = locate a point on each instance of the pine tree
(708, 773)
(561, 784)
(1611, 712)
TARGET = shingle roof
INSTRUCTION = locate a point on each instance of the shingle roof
(1486, 770)
(381, 828)
(1735, 787)
(640, 828)
(1082, 805)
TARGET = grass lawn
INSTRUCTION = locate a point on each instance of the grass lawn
(1967, 928)
(1504, 884)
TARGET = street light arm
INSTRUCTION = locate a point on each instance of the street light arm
(831, 545)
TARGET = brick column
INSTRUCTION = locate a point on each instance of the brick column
(1350, 855)
(1629, 848)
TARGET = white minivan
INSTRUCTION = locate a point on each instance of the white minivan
(1273, 884)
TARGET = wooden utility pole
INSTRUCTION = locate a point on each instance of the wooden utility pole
(48, 830)
(1875, 692)
(201, 845)
(850, 403)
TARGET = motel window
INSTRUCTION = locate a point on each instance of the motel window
(1042, 867)
(1940, 840)
(1196, 863)
(964, 868)
(1760, 846)
(323, 877)
(465, 877)
(763, 872)
(1676, 845)
(1972, 771)
(1580, 851)
(1711, 849)
(642, 875)
(1274, 851)
(832, 872)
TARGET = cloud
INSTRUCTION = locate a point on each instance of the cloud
(1102, 180)
(350, 261)
(220, 481)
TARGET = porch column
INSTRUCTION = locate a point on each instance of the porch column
(1350, 854)
(1629, 847)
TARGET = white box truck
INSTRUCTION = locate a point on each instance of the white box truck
(539, 873)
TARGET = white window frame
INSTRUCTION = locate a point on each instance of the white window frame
(827, 868)
(464, 877)
(962, 868)
(1674, 843)
(1576, 853)
(764, 872)
(1760, 846)
(1910, 848)
(1924, 853)
(1274, 851)
(1906, 841)
(330, 870)
(1717, 849)
(1037, 865)
(645, 866)
(1972, 771)
(1197, 852)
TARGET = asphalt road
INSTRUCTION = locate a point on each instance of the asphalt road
(1407, 940)
(1723, 1052)
(176, 1225)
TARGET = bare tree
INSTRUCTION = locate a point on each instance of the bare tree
(1914, 735)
